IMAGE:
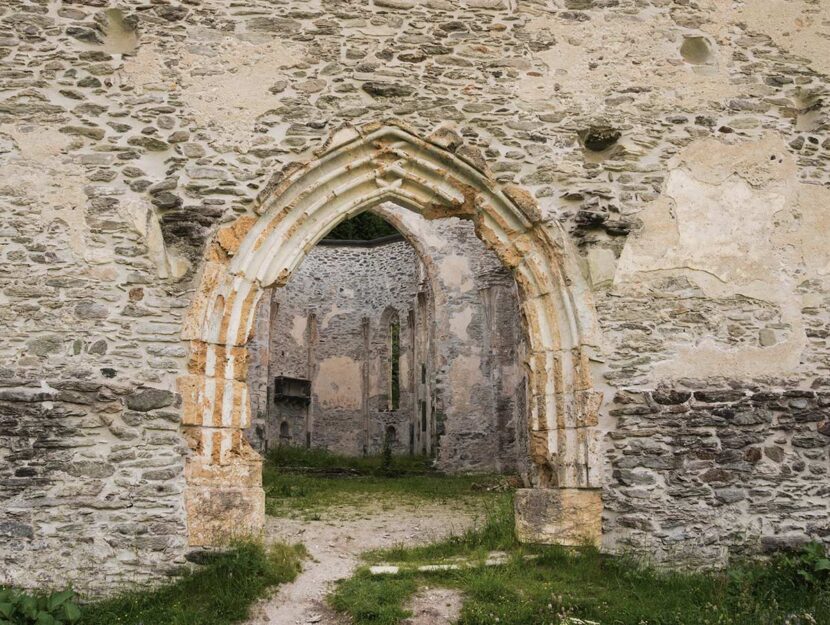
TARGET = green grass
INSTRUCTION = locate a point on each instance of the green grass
(494, 532)
(219, 593)
(300, 457)
(306, 483)
(560, 583)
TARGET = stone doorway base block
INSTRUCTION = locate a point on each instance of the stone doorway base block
(559, 516)
(216, 515)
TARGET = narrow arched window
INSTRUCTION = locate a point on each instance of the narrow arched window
(394, 364)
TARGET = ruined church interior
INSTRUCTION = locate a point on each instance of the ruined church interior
(411, 340)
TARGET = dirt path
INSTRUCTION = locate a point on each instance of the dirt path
(335, 543)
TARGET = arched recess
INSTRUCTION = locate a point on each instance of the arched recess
(357, 169)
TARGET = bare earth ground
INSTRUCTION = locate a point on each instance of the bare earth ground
(435, 606)
(335, 543)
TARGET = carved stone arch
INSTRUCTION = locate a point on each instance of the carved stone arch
(358, 169)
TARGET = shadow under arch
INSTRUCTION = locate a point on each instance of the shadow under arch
(358, 169)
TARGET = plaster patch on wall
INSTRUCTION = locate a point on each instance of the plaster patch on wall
(54, 189)
(405, 371)
(455, 271)
(589, 56)
(338, 383)
(144, 71)
(37, 142)
(235, 99)
(48, 182)
(804, 230)
(773, 243)
(797, 25)
(460, 322)
(335, 310)
(226, 84)
(298, 328)
(708, 359)
(411, 221)
(465, 373)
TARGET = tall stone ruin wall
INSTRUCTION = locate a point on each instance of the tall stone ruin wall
(332, 327)
(698, 202)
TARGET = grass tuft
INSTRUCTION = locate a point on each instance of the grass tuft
(219, 593)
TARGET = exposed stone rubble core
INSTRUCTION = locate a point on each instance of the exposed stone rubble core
(743, 467)
(128, 142)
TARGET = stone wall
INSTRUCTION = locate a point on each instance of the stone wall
(682, 144)
(350, 294)
(697, 470)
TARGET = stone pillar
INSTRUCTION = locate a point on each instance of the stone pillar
(224, 498)
(224, 501)
(311, 372)
(366, 356)
(559, 516)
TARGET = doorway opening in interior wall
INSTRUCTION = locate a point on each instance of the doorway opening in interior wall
(394, 364)
(393, 353)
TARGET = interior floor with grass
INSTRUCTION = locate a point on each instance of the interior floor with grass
(308, 483)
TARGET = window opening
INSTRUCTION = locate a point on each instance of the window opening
(395, 364)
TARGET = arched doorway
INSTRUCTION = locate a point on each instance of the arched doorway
(356, 169)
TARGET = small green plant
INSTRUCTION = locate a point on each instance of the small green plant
(220, 592)
(811, 565)
(386, 466)
(20, 608)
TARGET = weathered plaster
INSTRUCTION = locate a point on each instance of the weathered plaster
(105, 336)
(772, 243)
(298, 329)
(802, 26)
(338, 383)
(460, 323)
(612, 52)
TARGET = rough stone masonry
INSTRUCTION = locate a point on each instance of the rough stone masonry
(681, 145)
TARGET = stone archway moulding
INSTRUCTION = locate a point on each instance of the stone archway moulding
(357, 169)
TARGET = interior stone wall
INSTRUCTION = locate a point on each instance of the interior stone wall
(352, 293)
(700, 215)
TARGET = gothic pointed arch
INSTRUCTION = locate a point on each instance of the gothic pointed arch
(357, 169)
